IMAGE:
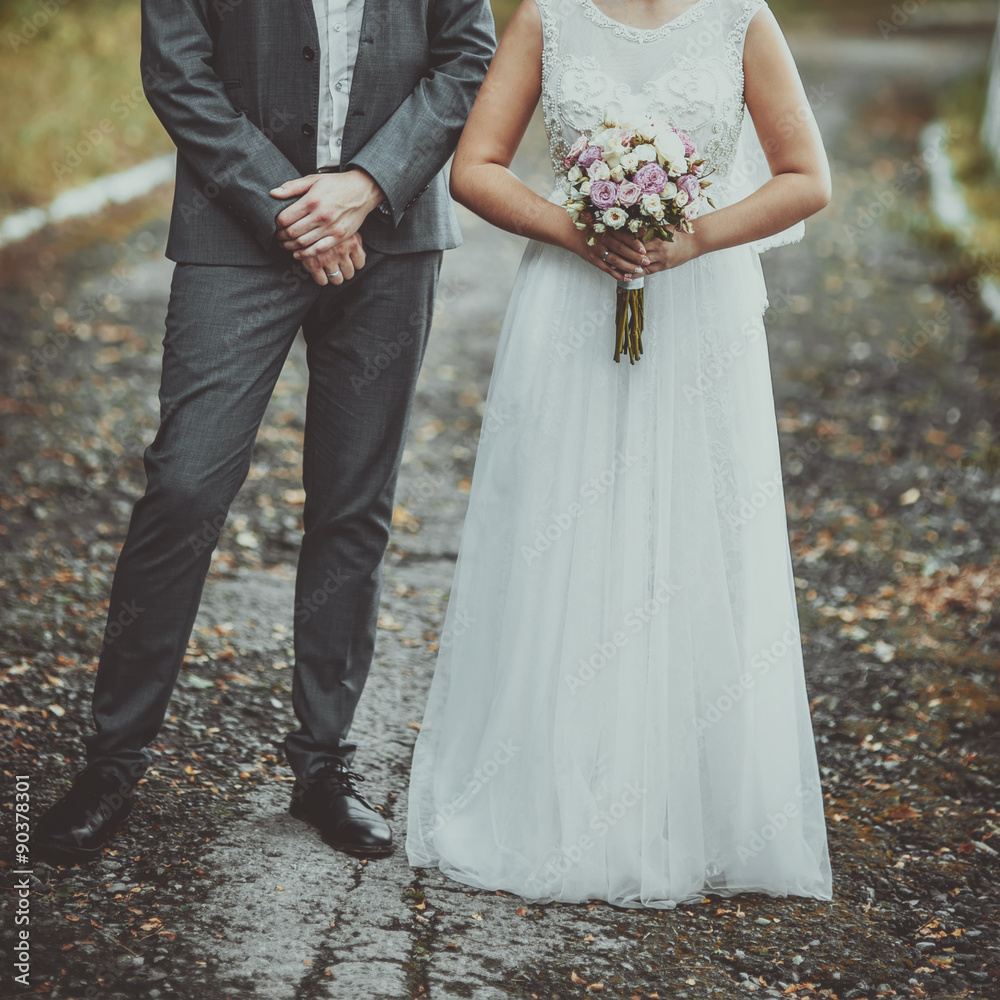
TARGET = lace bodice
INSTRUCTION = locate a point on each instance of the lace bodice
(687, 73)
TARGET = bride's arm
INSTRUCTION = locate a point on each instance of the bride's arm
(480, 175)
(800, 182)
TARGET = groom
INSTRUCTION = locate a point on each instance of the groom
(311, 136)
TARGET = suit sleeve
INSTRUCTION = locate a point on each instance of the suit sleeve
(222, 145)
(428, 123)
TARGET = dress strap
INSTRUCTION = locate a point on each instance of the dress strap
(549, 29)
(745, 11)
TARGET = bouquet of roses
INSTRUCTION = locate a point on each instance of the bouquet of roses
(640, 177)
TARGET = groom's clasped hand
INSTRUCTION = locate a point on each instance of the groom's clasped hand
(321, 227)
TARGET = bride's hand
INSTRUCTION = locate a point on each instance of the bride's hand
(664, 254)
(622, 257)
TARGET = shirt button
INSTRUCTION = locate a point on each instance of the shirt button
(337, 27)
(338, 142)
(308, 130)
(308, 53)
(338, 86)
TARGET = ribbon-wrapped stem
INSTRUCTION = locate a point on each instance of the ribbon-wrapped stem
(629, 319)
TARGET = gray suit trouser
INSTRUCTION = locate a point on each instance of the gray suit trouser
(228, 331)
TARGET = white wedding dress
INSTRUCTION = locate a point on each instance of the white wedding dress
(619, 709)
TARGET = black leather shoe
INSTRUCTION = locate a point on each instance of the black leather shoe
(75, 826)
(345, 818)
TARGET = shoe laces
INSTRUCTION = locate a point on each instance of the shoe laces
(342, 779)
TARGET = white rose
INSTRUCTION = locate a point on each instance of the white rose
(652, 205)
(630, 162)
(614, 145)
(645, 129)
(615, 217)
(670, 191)
(599, 171)
(669, 146)
(617, 174)
(649, 202)
(645, 152)
(585, 188)
(575, 174)
(603, 138)
(634, 225)
(681, 198)
(599, 227)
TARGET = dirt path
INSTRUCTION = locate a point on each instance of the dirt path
(886, 390)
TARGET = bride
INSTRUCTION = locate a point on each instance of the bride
(619, 709)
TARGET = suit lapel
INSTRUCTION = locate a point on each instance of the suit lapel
(311, 18)
(374, 24)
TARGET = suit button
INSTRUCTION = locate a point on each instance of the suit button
(309, 53)
(308, 130)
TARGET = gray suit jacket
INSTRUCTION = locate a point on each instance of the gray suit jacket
(236, 85)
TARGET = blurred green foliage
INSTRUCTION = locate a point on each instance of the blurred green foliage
(73, 107)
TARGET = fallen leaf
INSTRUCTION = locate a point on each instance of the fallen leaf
(902, 812)
(402, 518)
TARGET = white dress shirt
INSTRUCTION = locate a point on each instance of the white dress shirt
(339, 24)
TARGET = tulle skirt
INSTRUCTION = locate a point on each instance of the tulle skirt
(618, 709)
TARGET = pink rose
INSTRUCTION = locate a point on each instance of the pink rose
(629, 193)
(688, 144)
(590, 155)
(651, 177)
(575, 150)
(626, 135)
(690, 185)
(603, 194)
